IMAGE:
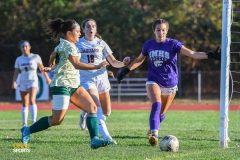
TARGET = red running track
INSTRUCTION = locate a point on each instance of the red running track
(126, 106)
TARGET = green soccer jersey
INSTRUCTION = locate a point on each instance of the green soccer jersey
(65, 74)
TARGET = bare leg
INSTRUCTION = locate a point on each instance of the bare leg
(105, 103)
(166, 102)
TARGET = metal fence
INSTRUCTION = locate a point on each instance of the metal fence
(134, 88)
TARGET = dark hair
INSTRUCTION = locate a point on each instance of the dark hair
(90, 19)
(58, 26)
(159, 21)
(21, 42)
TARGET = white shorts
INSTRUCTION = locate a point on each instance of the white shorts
(25, 86)
(60, 102)
(164, 91)
(101, 86)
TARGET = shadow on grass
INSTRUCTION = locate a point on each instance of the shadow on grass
(7, 129)
(199, 139)
(129, 137)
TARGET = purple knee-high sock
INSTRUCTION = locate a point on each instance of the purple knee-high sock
(154, 116)
(162, 117)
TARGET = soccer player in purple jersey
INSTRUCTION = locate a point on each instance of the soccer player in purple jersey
(162, 78)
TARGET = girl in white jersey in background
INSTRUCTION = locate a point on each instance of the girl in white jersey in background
(95, 50)
(65, 86)
(27, 64)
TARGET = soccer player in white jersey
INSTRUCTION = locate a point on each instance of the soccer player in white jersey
(94, 50)
(27, 64)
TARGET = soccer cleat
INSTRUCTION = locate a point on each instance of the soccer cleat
(149, 134)
(26, 135)
(96, 142)
(82, 122)
(112, 141)
(24, 124)
(153, 140)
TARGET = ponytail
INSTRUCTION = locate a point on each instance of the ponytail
(58, 27)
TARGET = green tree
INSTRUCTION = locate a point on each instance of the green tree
(125, 25)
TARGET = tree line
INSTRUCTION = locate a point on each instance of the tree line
(125, 25)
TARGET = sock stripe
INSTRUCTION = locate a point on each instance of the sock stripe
(92, 115)
(49, 123)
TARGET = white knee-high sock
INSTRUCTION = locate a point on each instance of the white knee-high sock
(33, 110)
(24, 111)
(101, 124)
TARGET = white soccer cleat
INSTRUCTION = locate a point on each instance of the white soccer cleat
(24, 125)
(112, 141)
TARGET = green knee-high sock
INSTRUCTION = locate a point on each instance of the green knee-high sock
(92, 124)
(40, 125)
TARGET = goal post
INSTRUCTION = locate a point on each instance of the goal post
(225, 69)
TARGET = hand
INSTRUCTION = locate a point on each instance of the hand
(46, 69)
(14, 85)
(122, 74)
(126, 60)
(110, 73)
(216, 54)
(101, 65)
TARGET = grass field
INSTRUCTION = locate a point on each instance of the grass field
(197, 132)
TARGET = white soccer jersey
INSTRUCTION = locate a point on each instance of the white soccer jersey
(93, 52)
(28, 66)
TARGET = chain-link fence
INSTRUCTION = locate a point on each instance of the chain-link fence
(188, 85)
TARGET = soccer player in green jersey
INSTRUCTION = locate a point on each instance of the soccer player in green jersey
(65, 86)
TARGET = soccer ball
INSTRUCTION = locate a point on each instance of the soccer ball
(169, 143)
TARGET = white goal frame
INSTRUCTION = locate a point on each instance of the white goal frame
(225, 70)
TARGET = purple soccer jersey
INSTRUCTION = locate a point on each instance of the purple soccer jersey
(162, 62)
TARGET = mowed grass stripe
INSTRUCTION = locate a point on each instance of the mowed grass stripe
(197, 132)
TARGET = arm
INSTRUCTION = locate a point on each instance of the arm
(41, 68)
(137, 62)
(193, 54)
(51, 63)
(14, 83)
(118, 64)
(52, 59)
(83, 66)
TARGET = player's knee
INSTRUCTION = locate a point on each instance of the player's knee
(32, 101)
(91, 109)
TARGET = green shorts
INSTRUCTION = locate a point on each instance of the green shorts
(61, 90)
